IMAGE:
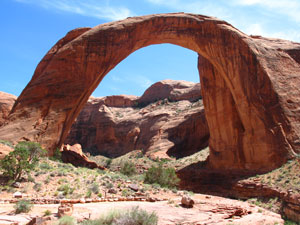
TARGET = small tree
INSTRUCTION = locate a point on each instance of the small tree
(23, 206)
(22, 160)
(164, 177)
(128, 168)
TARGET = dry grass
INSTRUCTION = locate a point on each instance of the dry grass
(59, 180)
(287, 177)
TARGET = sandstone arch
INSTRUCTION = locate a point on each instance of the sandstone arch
(250, 85)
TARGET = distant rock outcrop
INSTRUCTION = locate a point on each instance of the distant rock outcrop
(6, 103)
(168, 120)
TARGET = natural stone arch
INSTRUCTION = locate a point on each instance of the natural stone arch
(251, 125)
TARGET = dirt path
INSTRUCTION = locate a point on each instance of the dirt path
(207, 210)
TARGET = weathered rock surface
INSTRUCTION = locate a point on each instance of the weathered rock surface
(4, 150)
(6, 103)
(250, 86)
(74, 155)
(116, 125)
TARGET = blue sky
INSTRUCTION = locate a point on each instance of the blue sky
(29, 28)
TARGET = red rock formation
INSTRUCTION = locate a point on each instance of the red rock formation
(6, 103)
(255, 80)
(115, 125)
(74, 155)
(172, 90)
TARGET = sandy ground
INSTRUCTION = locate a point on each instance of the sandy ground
(207, 210)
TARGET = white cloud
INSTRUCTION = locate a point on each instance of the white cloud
(141, 81)
(238, 13)
(259, 29)
(255, 29)
(91, 8)
(117, 79)
(290, 8)
(206, 7)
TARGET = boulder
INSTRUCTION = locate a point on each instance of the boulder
(74, 155)
(134, 187)
(113, 191)
(17, 194)
(4, 150)
(187, 201)
(65, 209)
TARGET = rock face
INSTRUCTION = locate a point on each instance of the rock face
(116, 125)
(6, 103)
(250, 86)
(74, 155)
(4, 150)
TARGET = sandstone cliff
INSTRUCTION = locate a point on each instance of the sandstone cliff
(167, 120)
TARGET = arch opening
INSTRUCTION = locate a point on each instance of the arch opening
(165, 120)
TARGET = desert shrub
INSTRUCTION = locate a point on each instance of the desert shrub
(56, 155)
(65, 189)
(108, 163)
(23, 206)
(88, 194)
(22, 160)
(66, 220)
(135, 216)
(45, 166)
(47, 212)
(95, 188)
(37, 186)
(106, 219)
(288, 222)
(128, 168)
(165, 177)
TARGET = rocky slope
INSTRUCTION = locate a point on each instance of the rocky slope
(167, 120)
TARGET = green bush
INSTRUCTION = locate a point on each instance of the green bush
(88, 194)
(95, 188)
(66, 220)
(108, 163)
(135, 216)
(128, 169)
(165, 177)
(47, 212)
(66, 189)
(23, 206)
(56, 155)
(37, 186)
(22, 160)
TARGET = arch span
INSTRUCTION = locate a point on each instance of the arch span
(251, 125)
